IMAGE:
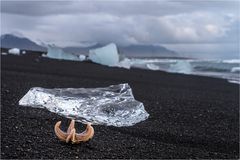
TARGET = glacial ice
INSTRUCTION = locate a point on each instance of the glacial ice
(152, 66)
(107, 55)
(235, 69)
(14, 51)
(114, 105)
(181, 66)
(57, 53)
(44, 55)
(125, 63)
(82, 57)
(231, 61)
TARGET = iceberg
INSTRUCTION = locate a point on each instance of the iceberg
(107, 55)
(3, 53)
(112, 106)
(57, 53)
(14, 51)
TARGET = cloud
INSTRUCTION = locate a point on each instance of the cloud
(198, 27)
(119, 8)
(123, 22)
(37, 8)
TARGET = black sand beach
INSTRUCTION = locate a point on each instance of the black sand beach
(190, 116)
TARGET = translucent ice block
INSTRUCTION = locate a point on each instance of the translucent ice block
(15, 51)
(57, 53)
(114, 105)
(107, 55)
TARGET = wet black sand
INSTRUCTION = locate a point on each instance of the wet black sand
(190, 116)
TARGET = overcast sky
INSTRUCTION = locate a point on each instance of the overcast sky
(207, 28)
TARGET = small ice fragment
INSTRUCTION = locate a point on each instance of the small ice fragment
(181, 66)
(14, 51)
(231, 61)
(107, 55)
(23, 52)
(234, 81)
(235, 69)
(44, 55)
(3, 53)
(152, 66)
(125, 63)
(57, 53)
(114, 105)
(82, 57)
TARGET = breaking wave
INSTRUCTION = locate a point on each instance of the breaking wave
(226, 69)
(232, 61)
(235, 69)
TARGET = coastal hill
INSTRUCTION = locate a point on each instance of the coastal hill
(12, 41)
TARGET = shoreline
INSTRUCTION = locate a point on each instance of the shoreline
(230, 76)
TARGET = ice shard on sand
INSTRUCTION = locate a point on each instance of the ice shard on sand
(114, 105)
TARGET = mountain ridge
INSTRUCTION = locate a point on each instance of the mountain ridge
(12, 41)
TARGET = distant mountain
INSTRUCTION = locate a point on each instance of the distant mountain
(12, 41)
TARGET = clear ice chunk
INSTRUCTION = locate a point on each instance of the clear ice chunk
(107, 55)
(112, 106)
(15, 51)
(181, 66)
(57, 53)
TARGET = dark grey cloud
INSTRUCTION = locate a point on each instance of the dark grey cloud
(36, 8)
(144, 7)
(43, 8)
(123, 22)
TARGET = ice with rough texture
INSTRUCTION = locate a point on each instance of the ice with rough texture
(231, 61)
(107, 55)
(181, 66)
(152, 66)
(114, 105)
(15, 51)
(57, 53)
(125, 63)
(235, 69)
(82, 57)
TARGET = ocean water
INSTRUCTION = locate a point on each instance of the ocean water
(226, 69)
